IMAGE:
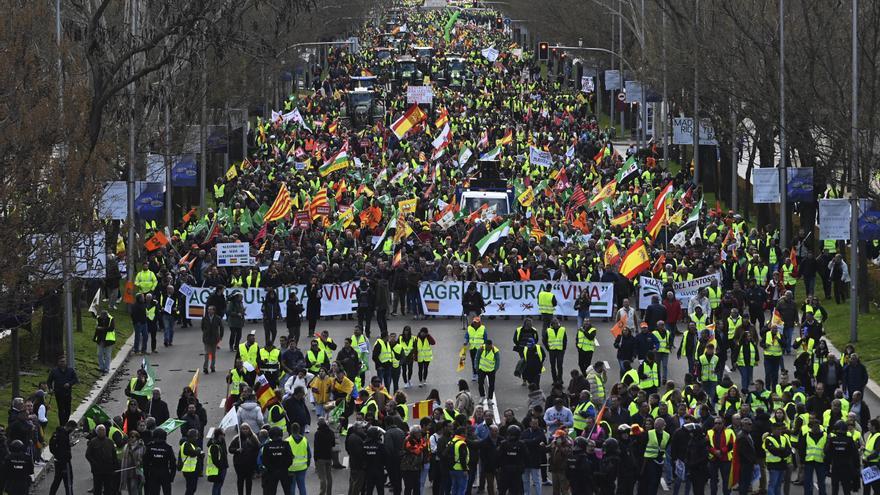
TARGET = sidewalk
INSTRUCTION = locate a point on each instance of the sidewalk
(96, 392)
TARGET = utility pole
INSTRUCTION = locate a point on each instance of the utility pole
(203, 134)
(664, 106)
(643, 103)
(66, 249)
(854, 192)
(169, 220)
(696, 126)
(611, 91)
(622, 70)
(131, 249)
(783, 189)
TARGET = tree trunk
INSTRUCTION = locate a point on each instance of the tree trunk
(52, 329)
(16, 363)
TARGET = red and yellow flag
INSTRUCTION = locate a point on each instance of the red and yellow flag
(280, 207)
(657, 221)
(623, 220)
(612, 254)
(422, 409)
(607, 191)
(635, 261)
(405, 123)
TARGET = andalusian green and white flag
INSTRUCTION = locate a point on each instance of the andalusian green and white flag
(490, 155)
(492, 237)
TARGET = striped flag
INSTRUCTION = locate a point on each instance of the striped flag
(623, 220)
(405, 123)
(663, 194)
(635, 261)
(265, 395)
(442, 119)
(491, 155)
(320, 199)
(657, 221)
(607, 191)
(492, 237)
(422, 409)
(339, 161)
(578, 197)
(280, 207)
(506, 139)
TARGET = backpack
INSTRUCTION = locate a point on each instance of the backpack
(53, 443)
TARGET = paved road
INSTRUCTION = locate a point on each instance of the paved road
(175, 367)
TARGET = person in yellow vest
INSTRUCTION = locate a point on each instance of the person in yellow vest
(190, 461)
(708, 371)
(216, 461)
(489, 361)
(316, 358)
(248, 351)
(475, 337)
(268, 362)
(546, 305)
(424, 354)
(772, 345)
(152, 309)
(777, 447)
(533, 357)
(555, 341)
(235, 379)
(715, 294)
(721, 442)
(586, 345)
(460, 461)
(105, 339)
(814, 457)
(383, 358)
(871, 452)
(654, 458)
(302, 457)
(665, 343)
(145, 280)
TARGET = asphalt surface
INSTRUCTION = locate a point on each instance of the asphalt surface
(175, 366)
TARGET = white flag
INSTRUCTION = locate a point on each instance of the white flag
(678, 239)
(230, 420)
(96, 302)
(696, 237)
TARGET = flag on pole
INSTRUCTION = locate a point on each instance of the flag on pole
(171, 425)
(664, 193)
(635, 261)
(158, 241)
(339, 161)
(230, 419)
(442, 119)
(506, 139)
(502, 231)
(578, 197)
(629, 169)
(231, 173)
(96, 415)
(194, 382)
(96, 303)
(623, 220)
(280, 207)
(491, 155)
(147, 390)
(462, 357)
(612, 254)
(657, 221)
(618, 327)
(407, 121)
(607, 191)
(265, 395)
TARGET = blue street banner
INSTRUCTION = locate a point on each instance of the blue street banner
(184, 171)
(150, 202)
(869, 226)
(800, 184)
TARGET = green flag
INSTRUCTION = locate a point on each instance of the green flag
(261, 212)
(170, 425)
(492, 237)
(147, 390)
(246, 222)
(447, 30)
(337, 412)
(96, 415)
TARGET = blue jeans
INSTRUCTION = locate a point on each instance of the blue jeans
(532, 476)
(786, 338)
(413, 304)
(679, 482)
(774, 483)
(386, 375)
(105, 354)
(809, 469)
(298, 480)
(771, 371)
(663, 357)
(459, 482)
(141, 336)
(217, 486)
(167, 328)
(745, 375)
(423, 476)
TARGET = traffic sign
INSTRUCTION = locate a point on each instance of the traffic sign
(621, 96)
(507, 21)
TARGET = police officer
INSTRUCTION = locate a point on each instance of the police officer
(375, 461)
(843, 454)
(512, 463)
(159, 464)
(17, 470)
(577, 469)
(277, 458)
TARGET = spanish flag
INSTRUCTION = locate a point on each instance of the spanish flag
(442, 119)
(422, 409)
(612, 254)
(635, 261)
(623, 220)
(607, 191)
(657, 221)
(405, 123)
(507, 139)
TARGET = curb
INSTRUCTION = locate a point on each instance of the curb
(96, 392)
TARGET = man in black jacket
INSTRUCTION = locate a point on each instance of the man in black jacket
(512, 458)
(101, 454)
(160, 465)
(59, 445)
(375, 460)
(62, 380)
(748, 456)
(158, 408)
(354, 446)
(277, 457)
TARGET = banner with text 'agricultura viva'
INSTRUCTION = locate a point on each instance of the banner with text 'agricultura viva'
(336, 299)
(515, 298)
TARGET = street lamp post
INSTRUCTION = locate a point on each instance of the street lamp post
(783, 189)
(854, 170)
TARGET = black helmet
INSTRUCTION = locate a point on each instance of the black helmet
(374, 433)
(840, 426)
(16, 446)
(581, 443)
(610, 446)
(513, 431)
(159, 435)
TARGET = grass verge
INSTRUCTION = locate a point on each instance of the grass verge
(33, 371)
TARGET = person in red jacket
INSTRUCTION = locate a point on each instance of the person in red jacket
(673, 312)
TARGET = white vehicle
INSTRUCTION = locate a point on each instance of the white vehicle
(497, 203)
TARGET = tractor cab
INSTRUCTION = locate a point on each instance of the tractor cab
(406, 70)
(364, 82)
(361, 108)
(455, 70)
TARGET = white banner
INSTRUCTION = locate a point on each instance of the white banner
(765, 185)
(515, 298)
(683, 131)
(491, 54)
(540, 157)
(687, 289)
(612, 80)
(419, 95)
(834, 218)
(633, 91)
(234, 254)
(648, 288)
(587, 84)
(337, 299)
(114, 201)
